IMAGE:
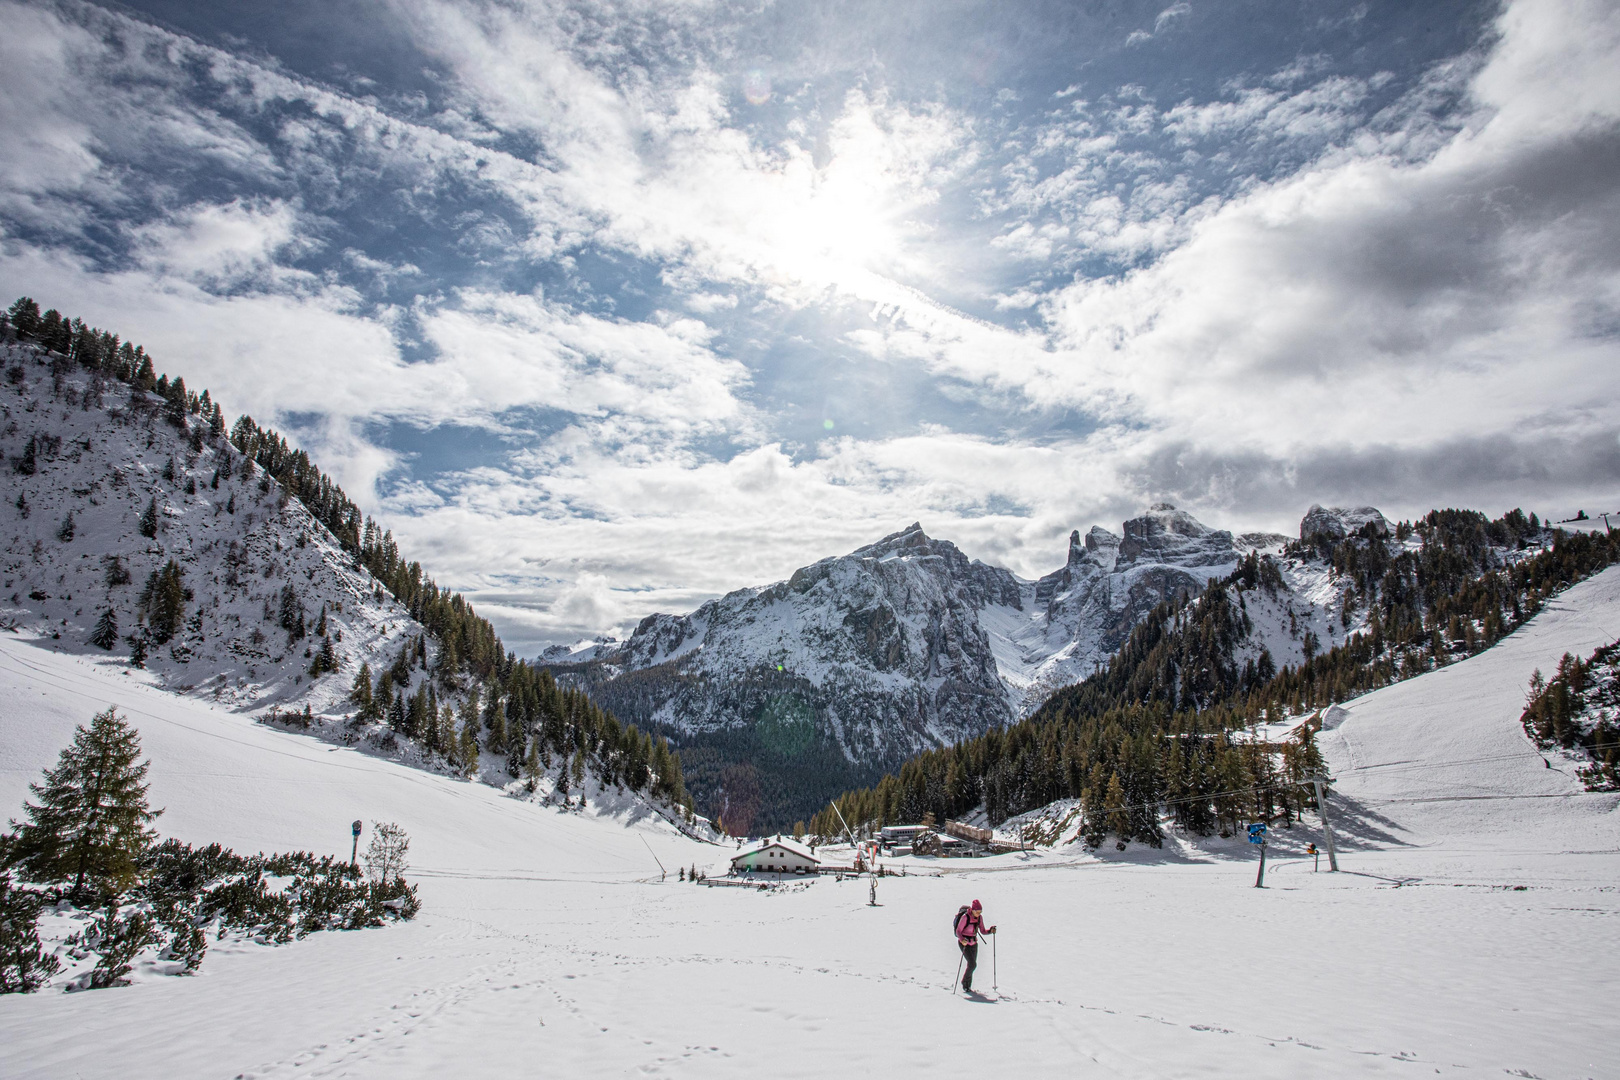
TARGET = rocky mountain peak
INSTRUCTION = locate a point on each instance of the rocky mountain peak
(1167, 535)
(910, 540)
(1339, 522)
(1099, 548)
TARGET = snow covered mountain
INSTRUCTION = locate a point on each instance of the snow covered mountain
(137, 534)
(1073, 619)
(864, 659)
(880, 651)
(101, 493)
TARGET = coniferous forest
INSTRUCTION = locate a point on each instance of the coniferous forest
(1579, 709)
(1164, 727)
(479, 697)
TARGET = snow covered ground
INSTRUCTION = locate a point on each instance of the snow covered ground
(1471, 936)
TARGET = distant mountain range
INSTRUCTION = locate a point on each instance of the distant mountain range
(782, 695)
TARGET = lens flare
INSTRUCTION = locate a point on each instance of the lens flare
(756, 87)
(828, 424)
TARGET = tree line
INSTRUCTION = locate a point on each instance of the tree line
(1579, 709)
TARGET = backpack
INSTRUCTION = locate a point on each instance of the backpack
(962, 912)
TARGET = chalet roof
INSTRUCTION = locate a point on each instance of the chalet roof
(790, 846)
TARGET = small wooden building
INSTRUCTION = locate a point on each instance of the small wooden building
(775, 856)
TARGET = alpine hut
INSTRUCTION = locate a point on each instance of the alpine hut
(775, 856)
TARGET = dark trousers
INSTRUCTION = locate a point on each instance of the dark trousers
(970, 953)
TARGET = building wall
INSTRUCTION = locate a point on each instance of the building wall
(784, 862)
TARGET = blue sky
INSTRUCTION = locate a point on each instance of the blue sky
(608, 308)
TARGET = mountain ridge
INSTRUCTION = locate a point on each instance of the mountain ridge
(855, 662)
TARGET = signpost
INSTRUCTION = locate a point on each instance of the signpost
(354, 855)
(1316, 857)
(1257, 835)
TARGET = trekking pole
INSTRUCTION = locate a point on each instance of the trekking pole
(958, 980)
(994, 981)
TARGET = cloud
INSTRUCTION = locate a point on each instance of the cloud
(645, 294)
(1372, 301)
(1165, 18)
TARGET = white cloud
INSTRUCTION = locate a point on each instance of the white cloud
(1429, 305)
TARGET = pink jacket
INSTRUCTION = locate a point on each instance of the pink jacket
(969, 926)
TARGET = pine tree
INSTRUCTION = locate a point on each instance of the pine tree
(163, 600)
(290, 616)
(65, 532)
(22, 505)
(531, 764)
(28, 464)
(468, 757)
(325, 659)
(24, 315)
(90, 824)
(360, 692)
(105, 635)
(179, 403)
(495, 724)
(148, 524)
(1119, 822)
(137, 648)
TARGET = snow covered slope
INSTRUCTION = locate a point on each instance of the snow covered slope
(1444, 758)
(254, 560)
(548, 946)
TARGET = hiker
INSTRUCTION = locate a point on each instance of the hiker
(969, 925)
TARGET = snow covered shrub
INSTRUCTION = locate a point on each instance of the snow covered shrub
(194, 886)
(24, 964)
(187, 944)
(117, 938)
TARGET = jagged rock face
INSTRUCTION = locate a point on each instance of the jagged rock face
(1338, 522)
(878, 652)
(1083, 612)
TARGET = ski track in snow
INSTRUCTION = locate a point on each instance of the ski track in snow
(1470, 933)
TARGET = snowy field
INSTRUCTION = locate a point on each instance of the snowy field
(1473, 930)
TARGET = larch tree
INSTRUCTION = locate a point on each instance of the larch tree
(88, 829)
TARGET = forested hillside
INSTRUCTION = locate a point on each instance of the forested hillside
(1579, 709)
(264, 584)
(1168, 723)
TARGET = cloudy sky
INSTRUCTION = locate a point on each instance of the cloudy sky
(608, 308)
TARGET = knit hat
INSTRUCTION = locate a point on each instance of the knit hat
(977, 906)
